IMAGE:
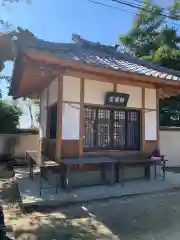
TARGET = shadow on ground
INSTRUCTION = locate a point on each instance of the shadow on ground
(146, 217)
(48, 224)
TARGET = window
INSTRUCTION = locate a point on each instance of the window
(111, 129)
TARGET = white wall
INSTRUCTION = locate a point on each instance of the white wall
(169, 145)
(135, 95)
(150, 98)
(150, 115)
(52, 92)
(71, 92)
(22, 143)
(70, 121)
(71, 89)
(26, 142)
(95, 91)
(150, 125)
(71, 112)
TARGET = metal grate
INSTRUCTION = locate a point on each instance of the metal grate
(111, 129)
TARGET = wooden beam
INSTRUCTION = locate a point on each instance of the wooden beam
(115, 87)
(88, 74)
(81, 126)
(143, 121)
(48, 121)
(41, 56)
(17, 74)
(107, 78)
(59, 119)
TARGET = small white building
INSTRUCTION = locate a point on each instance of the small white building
(93, 99)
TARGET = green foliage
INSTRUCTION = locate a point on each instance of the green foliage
(174, 10)
(9, 117)
(170, 112)
(152, 39)
(142, 39)
(15, 1)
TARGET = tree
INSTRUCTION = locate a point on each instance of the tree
(32, 104)
(152, 37)
(5, 54)
(9, 117)
(9, 114)
(30, 108)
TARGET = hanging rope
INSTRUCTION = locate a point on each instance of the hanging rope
(71, 105)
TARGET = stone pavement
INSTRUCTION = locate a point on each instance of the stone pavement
(154, 216)
(29, 190)
(150, 217)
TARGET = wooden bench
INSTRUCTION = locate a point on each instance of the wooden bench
(112, 164)
(105, 163)
(139, 161)
(36, 159)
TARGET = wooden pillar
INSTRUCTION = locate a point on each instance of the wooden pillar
(40, 122)
(143, 121)
(42, 144)
(47, 114)
(59, 119)
(81, 122)
(114, 87)
(157, 117)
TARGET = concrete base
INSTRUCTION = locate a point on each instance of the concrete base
(29, 190)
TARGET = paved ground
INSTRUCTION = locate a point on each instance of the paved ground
(29, 190)
(149, 217)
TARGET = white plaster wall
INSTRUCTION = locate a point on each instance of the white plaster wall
(26, 142)
(70, 121)
(52, 92)
(94, 94)
(71, 89)
(135, 95)
(169, 145)
(94, 91)
(23, 142)
(150, 98)
(43, 113)
(150, 125)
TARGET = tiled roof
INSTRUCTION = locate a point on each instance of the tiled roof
(104, 57)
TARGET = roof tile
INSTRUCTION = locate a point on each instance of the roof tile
(100, 56)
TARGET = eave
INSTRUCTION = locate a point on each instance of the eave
(28, 78)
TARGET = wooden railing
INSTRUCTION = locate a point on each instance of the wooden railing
(48, 148)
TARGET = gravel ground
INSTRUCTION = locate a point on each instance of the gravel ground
(149, 217)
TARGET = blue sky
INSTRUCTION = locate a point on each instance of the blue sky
(56, 20)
